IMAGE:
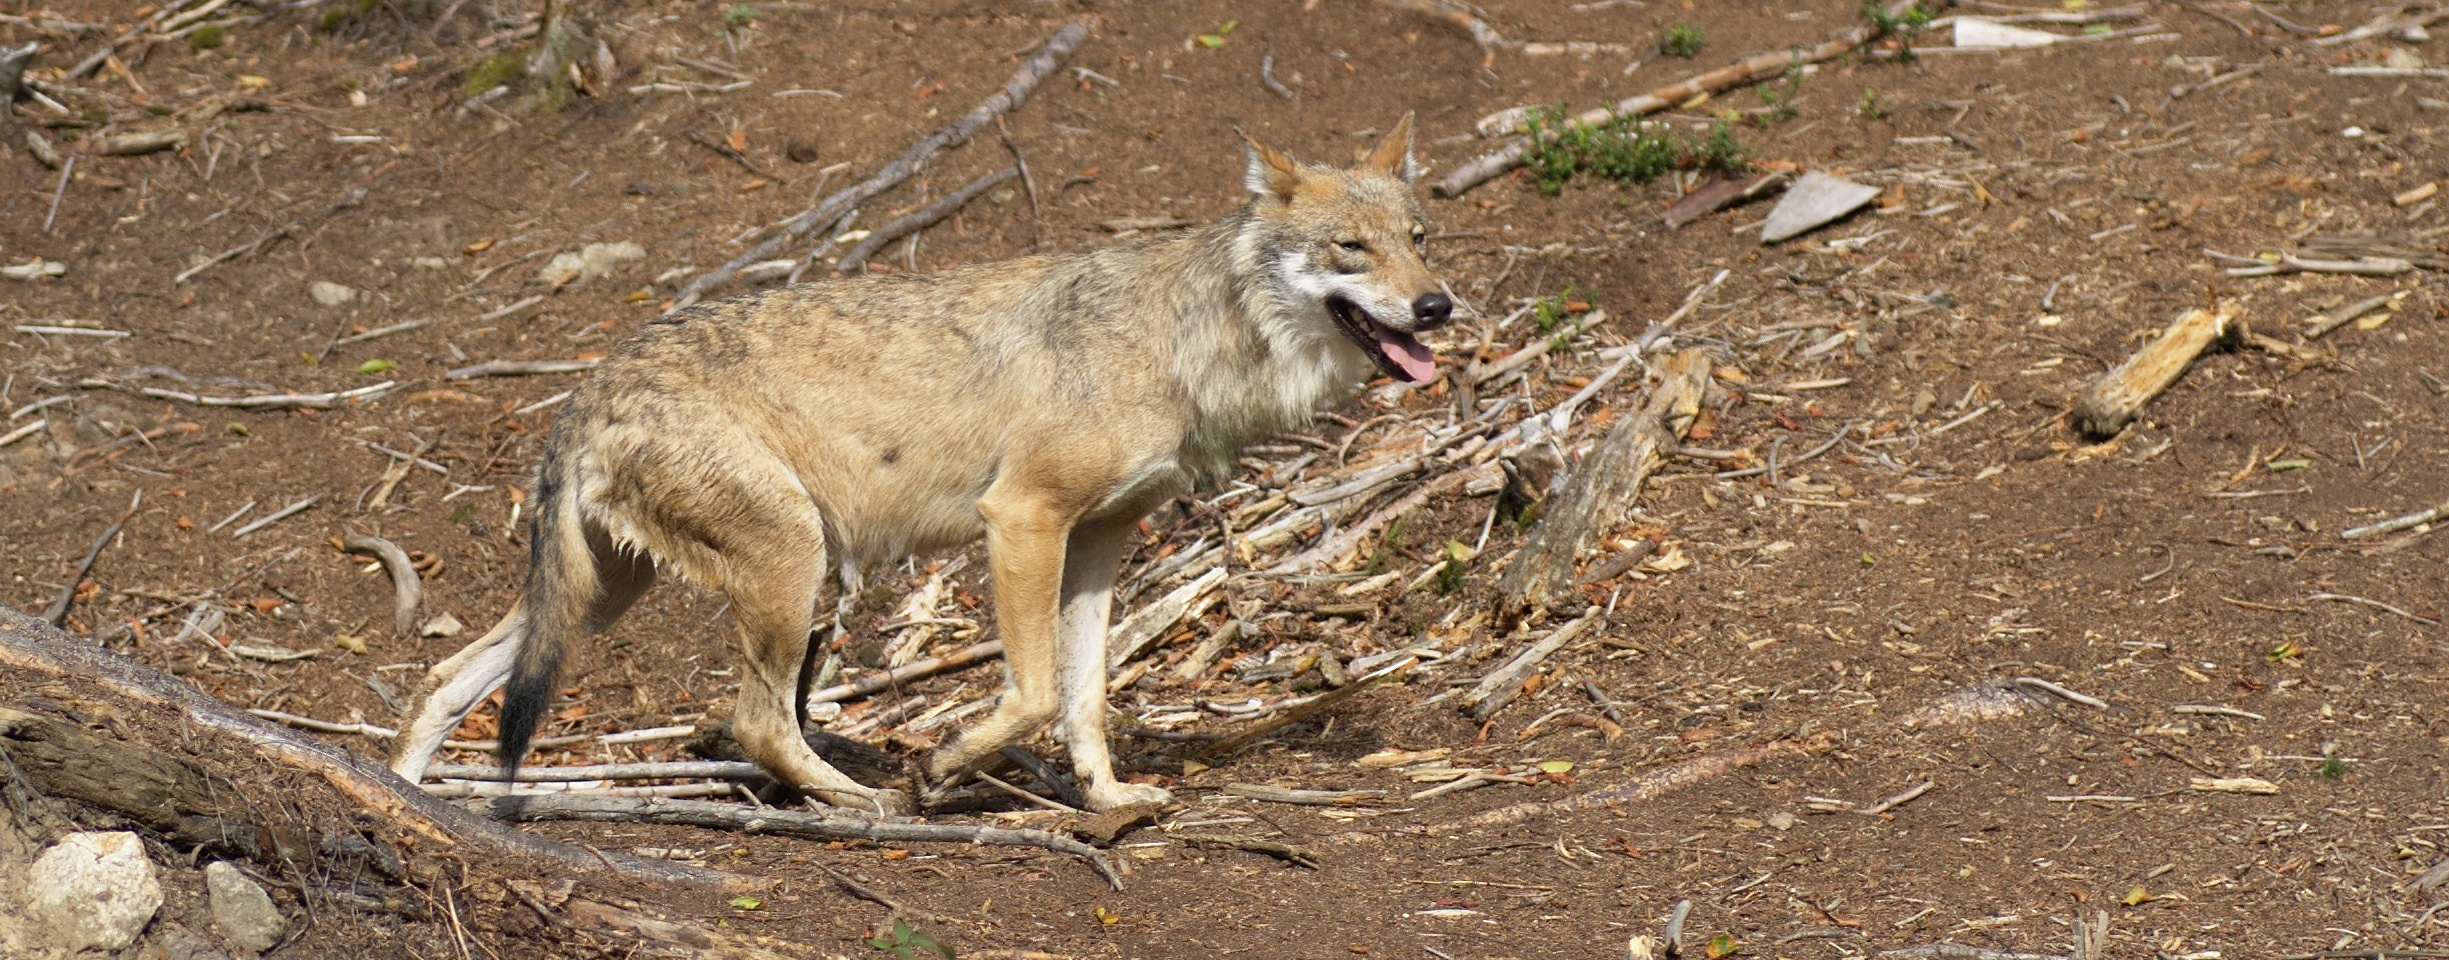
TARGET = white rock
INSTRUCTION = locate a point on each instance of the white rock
(1986, 33)
(429, 263)
(242, 911)
(94, 890)
(589, 262)
(1813, 202)
(2403, 59)
(330, 294)
(441, 626)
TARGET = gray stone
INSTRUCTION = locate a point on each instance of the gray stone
(330, 294)
(242, 911)
(1813, 202)
(94, 890)
(590, 262)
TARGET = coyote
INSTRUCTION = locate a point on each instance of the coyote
(1047, 403)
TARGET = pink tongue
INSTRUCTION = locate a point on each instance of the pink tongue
(1412, 355)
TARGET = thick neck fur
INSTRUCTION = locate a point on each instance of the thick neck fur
(1247, 355)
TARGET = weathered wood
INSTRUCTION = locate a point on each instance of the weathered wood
(2119, 396)
(782, 822)
(194, 792)
(1598, 493)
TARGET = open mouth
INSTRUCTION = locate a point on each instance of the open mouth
(1394, 351)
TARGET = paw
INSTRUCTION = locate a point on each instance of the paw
(1107, 796)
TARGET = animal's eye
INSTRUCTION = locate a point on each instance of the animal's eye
(1420, 238)
(1353, 245)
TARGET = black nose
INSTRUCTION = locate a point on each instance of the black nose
(1432, 311)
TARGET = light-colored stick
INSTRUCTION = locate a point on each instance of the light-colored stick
(407, 589)
(678, 770)
(2395, 524)
(1503, 684)
(2119, 396)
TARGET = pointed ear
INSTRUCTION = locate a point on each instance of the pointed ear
(1269, 172)
(1393, 154)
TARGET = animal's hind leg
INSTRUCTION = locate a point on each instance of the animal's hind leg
(773, 584)
(1089, 566)
(456, 685)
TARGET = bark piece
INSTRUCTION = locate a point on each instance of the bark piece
(1596, 495)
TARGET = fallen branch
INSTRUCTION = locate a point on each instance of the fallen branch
(1994, 700)
(1297, 856)
(2395, 524)
(2340, 317)
(407, 589)
(2119, 396)
(675, 770)
(519, 368)
(833, 207)
(923, 218)
(880, 681)
(1958, 951)
(1345, 540)
(2291, 263)
(780, 822)
(274, 517)
(269, 401)
(394, 823)
(1305, 711)
(1503, 684)
(350, 199)
(1607, 482)
(57, 613)
(1146, 625)
(1763, 66)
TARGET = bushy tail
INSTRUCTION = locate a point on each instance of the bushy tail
(562, 585)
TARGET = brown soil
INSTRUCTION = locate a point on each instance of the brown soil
(1875, 580)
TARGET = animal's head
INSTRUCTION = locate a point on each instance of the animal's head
(1348, 244)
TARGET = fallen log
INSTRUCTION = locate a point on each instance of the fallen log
(2118, 397)
(832, 208)
(1606, 483)
(191, 766)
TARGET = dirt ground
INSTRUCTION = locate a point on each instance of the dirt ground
(2046, 210)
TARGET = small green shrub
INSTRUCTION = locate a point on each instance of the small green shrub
(491, 72)
(1623, 149)
(1681, 40)
(1870, 107)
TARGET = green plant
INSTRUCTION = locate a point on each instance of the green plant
(1681, 40)
(1900, 24)
(905, 943)
(491, 72)
(208, 37)
(1870, 107)
(1390, 546)
(1777, 99)
(2332, 768)
(738, 15)
(1450, 575)
(1623, 149)
(1903, 22)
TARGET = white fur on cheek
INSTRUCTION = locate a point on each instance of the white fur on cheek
(1316, 287)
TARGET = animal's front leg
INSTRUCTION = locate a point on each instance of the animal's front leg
(1080, 656)
(1024, 543)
